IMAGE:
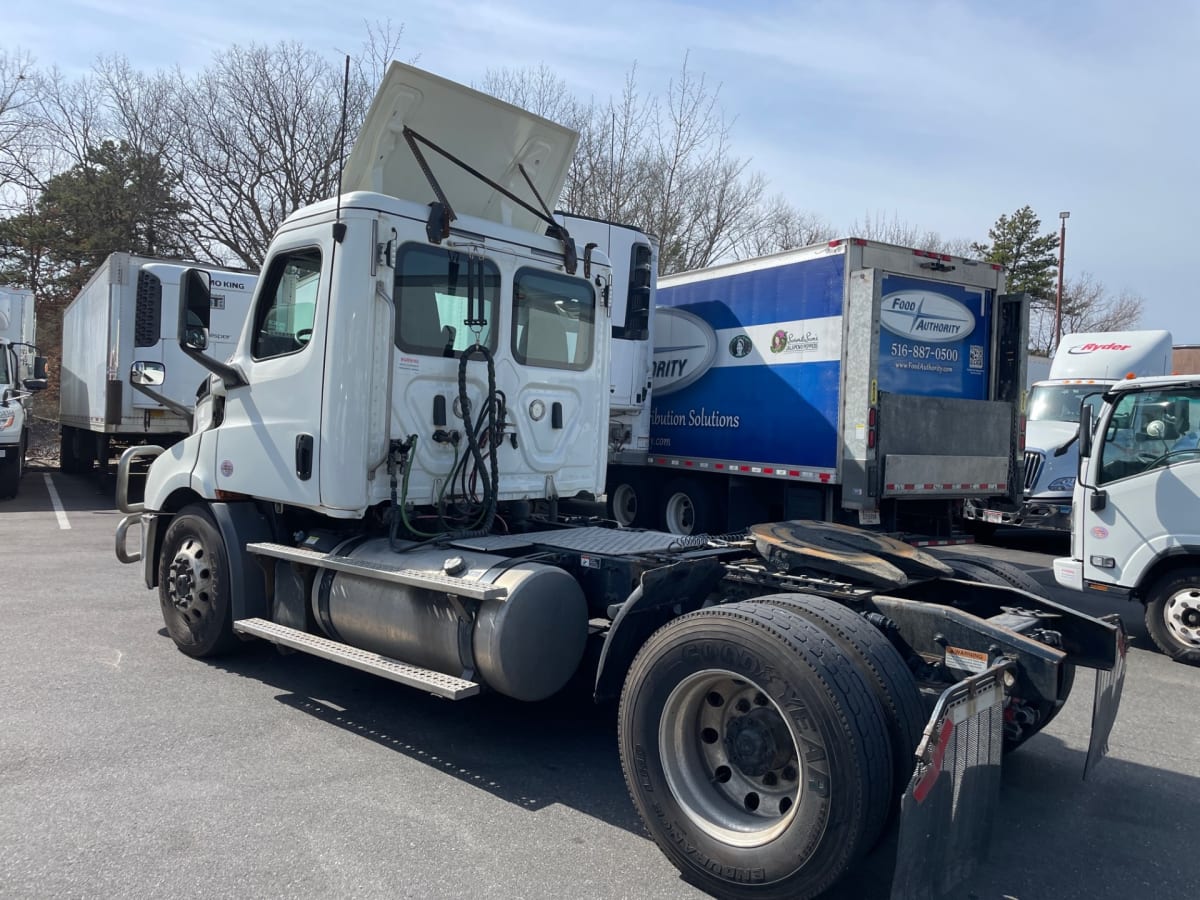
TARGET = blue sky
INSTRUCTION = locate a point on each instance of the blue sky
(940, 114)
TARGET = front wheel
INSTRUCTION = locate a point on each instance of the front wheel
(754, 751)
(193, 585)
(1173, 614)
(11, 468)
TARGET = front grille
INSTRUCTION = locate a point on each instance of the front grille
(1033, 467)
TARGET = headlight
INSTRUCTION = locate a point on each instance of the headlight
(7, 417)
(1062, 484)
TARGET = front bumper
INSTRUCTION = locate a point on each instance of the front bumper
(1051, 513)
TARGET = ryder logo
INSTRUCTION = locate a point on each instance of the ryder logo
(685, 348)
(925, 316)
(1081, 349)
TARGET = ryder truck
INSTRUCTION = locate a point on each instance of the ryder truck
(373, 478)
(852, 381)
(1084, 366)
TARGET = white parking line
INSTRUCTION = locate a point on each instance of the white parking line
(58, 507)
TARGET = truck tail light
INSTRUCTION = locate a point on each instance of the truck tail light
(1021, 435)
(872, 417)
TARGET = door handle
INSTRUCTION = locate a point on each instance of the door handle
(304, 456)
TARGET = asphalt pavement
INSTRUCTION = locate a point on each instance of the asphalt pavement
(129, 770)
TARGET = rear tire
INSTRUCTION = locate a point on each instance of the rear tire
(193, 585)
(630, 501)
(887, 674)
(1173, 614)
(689, 507)
(754, 751)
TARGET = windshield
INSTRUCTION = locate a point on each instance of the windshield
(1060, 402)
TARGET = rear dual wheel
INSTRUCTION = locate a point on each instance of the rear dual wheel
(754, 751)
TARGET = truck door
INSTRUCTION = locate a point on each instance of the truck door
(1146, 485)
(267, 444)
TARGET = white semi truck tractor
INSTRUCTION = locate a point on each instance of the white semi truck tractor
(374, 477)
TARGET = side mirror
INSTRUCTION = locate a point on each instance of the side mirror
(195, 309)
(39, 368)
(34, 384)
(148, 373)
(1085, 431)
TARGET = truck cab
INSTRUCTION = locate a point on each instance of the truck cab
(1083, 367)
(22, 372)
(1136, 532)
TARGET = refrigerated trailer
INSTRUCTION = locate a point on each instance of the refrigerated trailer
(125, 379)
(851, 381)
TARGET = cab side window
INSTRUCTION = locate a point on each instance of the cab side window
(283, 320)
(1149, 430)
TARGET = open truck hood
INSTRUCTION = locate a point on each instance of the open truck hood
(491, 136)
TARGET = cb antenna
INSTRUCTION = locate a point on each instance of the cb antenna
(339, 227)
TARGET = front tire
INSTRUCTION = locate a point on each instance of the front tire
(754, 752)
(1173, 614)
(193, 585)
(11, 469)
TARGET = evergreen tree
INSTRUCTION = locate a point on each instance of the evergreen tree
(1030, 258)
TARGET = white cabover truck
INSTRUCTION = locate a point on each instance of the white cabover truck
(1083, 366)
(373, 478)
(22, 372)
(851, 381)
(125, 379)
(1136, 529)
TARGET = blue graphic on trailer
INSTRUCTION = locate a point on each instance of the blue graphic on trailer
(706, 407)
(934, 338)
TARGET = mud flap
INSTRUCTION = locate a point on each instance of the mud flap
(947, 811)
(1109, 685)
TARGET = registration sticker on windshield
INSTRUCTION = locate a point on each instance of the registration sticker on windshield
(966, 660)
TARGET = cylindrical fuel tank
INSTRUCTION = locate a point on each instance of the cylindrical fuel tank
(526, 645)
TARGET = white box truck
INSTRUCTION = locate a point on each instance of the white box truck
(373, 478)
(22, 372)
(1084, 366)
(1136, 530)
(125, 379)
(851, 381)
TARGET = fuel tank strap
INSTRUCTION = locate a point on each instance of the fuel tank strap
(459, 587)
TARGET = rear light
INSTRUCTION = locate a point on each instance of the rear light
(1021, 435)
(872, 415)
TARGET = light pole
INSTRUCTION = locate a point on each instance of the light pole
(1062, 249)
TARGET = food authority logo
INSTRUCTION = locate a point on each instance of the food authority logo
(926, 316)
(791, 342)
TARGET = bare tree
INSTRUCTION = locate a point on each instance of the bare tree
(260, 136)
(782, 226)
(1087, 305)
(905, 234)
(17, 101)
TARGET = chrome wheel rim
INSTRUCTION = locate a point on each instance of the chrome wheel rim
(190, 581)
(730, 758)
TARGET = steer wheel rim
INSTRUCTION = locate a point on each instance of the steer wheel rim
(730, 758)
(190, 582)
(1182, 615)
